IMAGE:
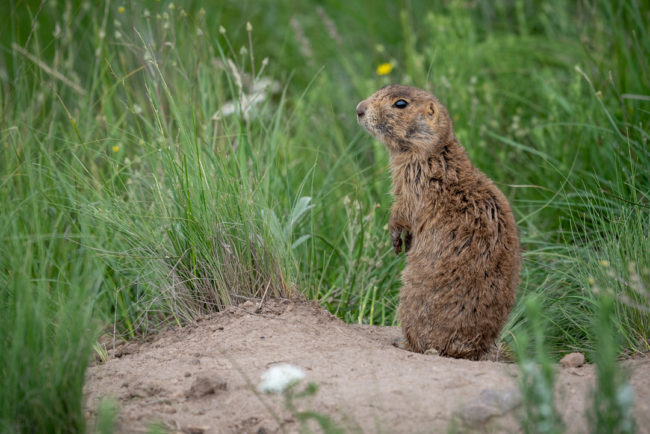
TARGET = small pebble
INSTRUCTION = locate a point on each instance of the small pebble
(204, 385)
(573, 360)
(490, 403)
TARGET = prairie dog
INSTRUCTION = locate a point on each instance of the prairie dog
(456, 227)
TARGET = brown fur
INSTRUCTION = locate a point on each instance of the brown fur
(460, 236)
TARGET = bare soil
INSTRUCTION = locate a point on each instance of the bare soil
(204, 378)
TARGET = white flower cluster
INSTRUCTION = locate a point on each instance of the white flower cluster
(277, 378)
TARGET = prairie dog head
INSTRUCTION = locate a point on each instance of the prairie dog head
(406, 119)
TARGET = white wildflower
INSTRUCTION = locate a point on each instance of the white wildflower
(266, 85)
(246, 102)
(227, 109)
(277, 378)
(235, 73)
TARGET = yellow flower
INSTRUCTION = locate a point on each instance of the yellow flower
(116, 148)
(604, 263)
(121, 9)
(384, 69)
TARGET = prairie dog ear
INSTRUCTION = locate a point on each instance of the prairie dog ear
(431, 110)
(431, 116)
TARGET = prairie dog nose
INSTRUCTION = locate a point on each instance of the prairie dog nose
(361, 109)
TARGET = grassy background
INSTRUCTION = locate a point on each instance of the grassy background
(131, 198)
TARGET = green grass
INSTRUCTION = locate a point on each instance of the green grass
(613, 396)
(127, 202)
(537, 375)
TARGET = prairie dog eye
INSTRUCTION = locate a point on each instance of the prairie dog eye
(400, 104)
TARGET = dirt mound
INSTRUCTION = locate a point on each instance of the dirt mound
(204, 377)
